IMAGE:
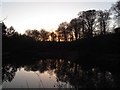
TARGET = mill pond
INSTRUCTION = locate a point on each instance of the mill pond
(88, 63)
(58, 73)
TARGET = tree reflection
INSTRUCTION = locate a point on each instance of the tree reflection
(8, 72)
(67, 72)
(80, 78)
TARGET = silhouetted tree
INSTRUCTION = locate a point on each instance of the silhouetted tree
(74, 23)
(3, 27)
(89, 18)
(36, 34)
(59, 35)
(44, 35)
(62, 30)
(53, 36)
(71, 32)
(10, 31)
(103, 17)
(28, 33)
(82, 23)
(8, 72)
(33, 33)
(116, 8)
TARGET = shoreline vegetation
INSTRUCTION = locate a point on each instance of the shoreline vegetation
(100, 48)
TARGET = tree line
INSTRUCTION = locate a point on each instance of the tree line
(88, 24)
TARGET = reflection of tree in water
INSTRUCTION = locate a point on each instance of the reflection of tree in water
(67, 72)
(8, 72)
(41, 66)
(74, 74)
(79, 78)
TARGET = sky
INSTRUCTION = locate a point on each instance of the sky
(38, 14)
(58, 0)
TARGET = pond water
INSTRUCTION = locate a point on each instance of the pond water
(56, 73)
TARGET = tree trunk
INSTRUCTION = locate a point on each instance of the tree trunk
(104, 27)
(76, 33)
(83, 30)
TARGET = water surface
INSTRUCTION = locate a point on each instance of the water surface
(57, 73)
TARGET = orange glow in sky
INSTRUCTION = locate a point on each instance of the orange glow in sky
(47, 15)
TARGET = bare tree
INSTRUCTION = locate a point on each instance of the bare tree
(28, 33)
(103, 17)
(71, 32)
(36, 34)
(75, 26)
(10, 31)
(3, 27)
(33, 33)
(89, 18)
(63, 31)
(53, 36)
(44, 35)
(116, 9)
(82, 23)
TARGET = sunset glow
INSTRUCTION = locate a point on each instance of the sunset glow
(47, 15)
